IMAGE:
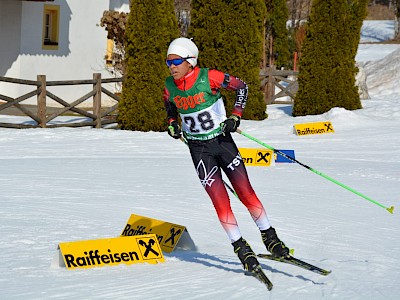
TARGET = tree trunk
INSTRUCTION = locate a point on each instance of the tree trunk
(293, 13)
(397, 19)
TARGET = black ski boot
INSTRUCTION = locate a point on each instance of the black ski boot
(246, 255)
(273, 243)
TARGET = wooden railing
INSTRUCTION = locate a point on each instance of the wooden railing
(41, 114)
(99, 116)
(271, 78)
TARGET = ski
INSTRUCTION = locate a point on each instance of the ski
(296, 262)
(260, 275)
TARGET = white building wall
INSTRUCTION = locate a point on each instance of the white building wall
(10, 31)
(81, 51)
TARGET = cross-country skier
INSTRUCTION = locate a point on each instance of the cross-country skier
(193, 93)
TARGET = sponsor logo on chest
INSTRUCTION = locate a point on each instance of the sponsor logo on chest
(184, 103)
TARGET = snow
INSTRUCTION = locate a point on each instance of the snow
(59, 185)
(377, 30)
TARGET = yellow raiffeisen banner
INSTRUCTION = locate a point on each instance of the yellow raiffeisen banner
(313, 128)
(169, 235)
(257, 157)
(112, 251)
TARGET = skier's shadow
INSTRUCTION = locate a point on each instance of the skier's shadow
(224, 264)
(207, 260)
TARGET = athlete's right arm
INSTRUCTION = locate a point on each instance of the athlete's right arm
(172, 112)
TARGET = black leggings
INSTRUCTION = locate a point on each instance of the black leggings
(221, 153)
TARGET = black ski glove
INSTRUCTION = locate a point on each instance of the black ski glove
(230, 124)
(174, 130)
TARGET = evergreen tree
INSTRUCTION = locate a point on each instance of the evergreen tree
(277, 16)
(358, 11)
(327, 65)
(228, 34)
(152, 25)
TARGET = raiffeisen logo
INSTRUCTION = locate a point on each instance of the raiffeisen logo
(140, 230)
(313, 128)
(257, 157)
(112, 251)
(94, 257)
(168, 234)
(310, 131)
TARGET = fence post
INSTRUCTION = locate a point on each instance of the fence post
(97, 99)
(270, 86)
(41, 101)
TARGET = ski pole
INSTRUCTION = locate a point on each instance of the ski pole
(389, 209)
(227, 185)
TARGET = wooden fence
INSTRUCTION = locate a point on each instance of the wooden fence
(99, 116)
(285, 80)
(270, 78)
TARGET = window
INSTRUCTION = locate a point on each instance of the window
(109, 52)
(51, 18)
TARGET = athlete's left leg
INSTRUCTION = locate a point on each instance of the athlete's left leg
(233, 166)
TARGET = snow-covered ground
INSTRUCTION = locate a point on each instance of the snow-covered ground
(377, 31)
(59, 185)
